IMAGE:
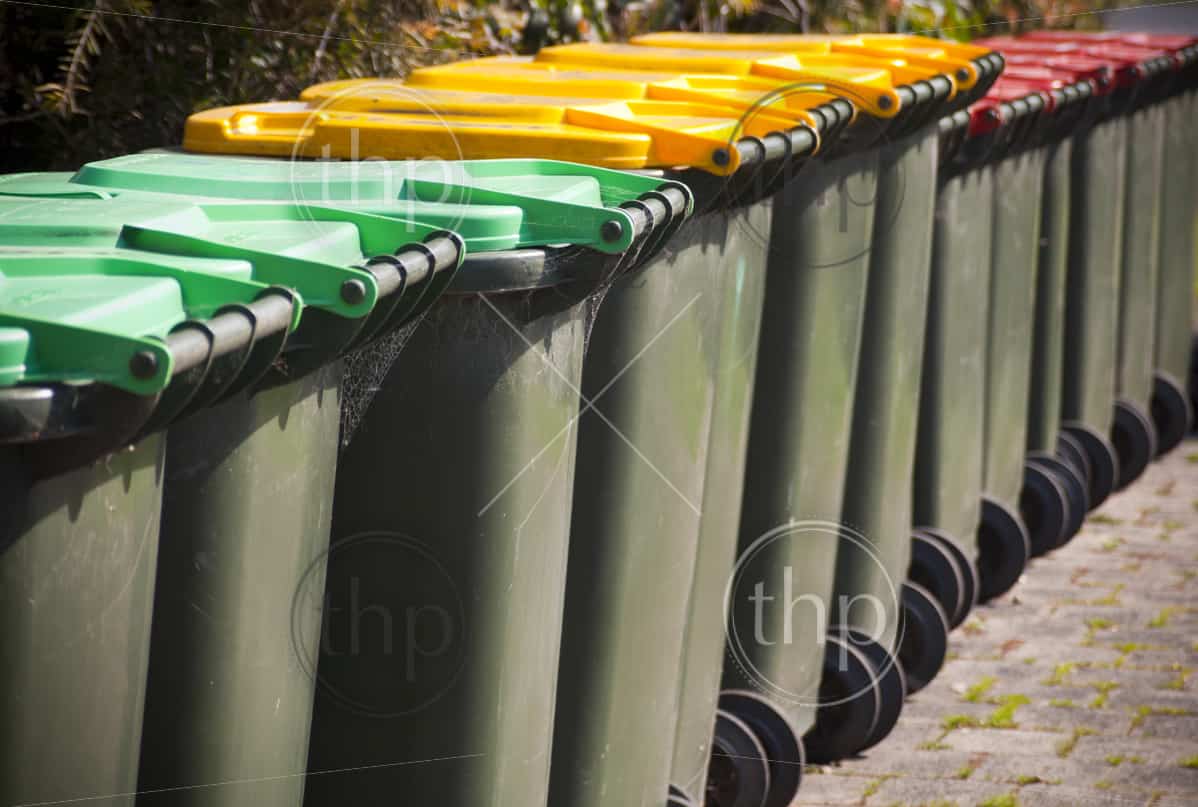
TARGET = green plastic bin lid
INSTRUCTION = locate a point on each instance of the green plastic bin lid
(491, 204)
(98, 285)
(93, 314)
(312, 249)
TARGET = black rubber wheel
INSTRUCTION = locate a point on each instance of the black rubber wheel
(1003, 549)
(677, 798)
(969, 573)
(934, 567)
(1044, 508)
(923, 637)
(1102, 460)
(1171, 413)
(1069, 449)
(1134, 438)
(1074, 483)
(849, 704)
(783, 748)
(738, 774)
(892, 683)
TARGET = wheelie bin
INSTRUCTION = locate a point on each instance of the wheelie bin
(543, 219)
(134, 319)
(649, 377)
(872, 564)
(1169, 407)
(1053, 500)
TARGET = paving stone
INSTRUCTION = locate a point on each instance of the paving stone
(1168, 726)
(1000, 741)
(828, 788)
(912, 791)
(1021, 639)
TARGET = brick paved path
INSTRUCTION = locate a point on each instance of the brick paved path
(1073, 689)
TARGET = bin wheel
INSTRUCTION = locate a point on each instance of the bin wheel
(1134, 439)
(738, 774)
(783, 748)
(935, 568)
(969, 573)
(1071, 479)
(1171, 413)
(678, 798)
(1003, 549)
(849, 704)
(1102, 459)
(1044, 508)
(1069, 449)
(892, 682)
(923, 636)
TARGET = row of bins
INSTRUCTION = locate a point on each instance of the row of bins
(333, 475)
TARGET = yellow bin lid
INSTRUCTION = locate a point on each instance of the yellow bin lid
(395, 122)
(742, 92)
(908, 54)
(819, 72)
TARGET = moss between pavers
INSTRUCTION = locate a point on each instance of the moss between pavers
(1065, 747)
(1179, 683)
(976, 692)
(1104, 689)
(1141, 713)
(1005, 800)
(1060, 674)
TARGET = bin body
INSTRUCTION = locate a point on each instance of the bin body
(447, 562)
(1092, 289)
(801, 422)
(877, 497)
(1175, 290)
(1015, 242)
(1140, 256)
(76, 592)
(245, 526)
(651, 373)
(949, 446)
(1044, 398)
(743, 293)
